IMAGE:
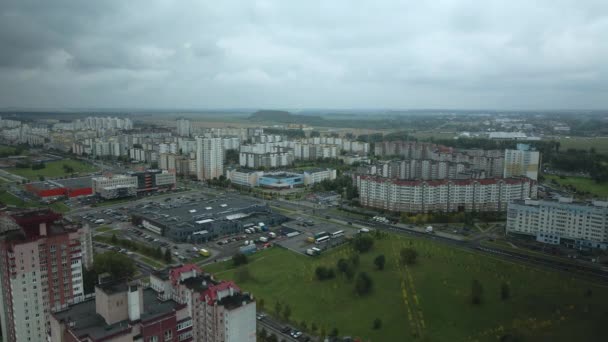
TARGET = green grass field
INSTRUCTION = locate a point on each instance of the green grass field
(9, 199)
(581, 184)
(431, 297)
(582, 143)
(54, 169)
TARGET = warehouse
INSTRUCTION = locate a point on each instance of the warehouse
(201, 220)
(69, 187)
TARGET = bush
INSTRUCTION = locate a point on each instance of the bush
(505, 291)
(476, 292)
(239, 259)
(408, 256)
(324, 273)
(377, 324)
(363, 285)
(380, 261)
(363, 243)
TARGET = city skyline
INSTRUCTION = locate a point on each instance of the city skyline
(314, 55)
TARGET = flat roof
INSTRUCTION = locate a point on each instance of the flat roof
(76, 183)
(201, 211)
(88, 322)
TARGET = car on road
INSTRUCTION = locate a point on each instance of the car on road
(286, 330)
(296, 334)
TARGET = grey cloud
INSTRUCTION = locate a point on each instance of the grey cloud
(453, 53)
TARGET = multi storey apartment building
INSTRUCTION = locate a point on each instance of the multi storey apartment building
(42, 259)
(523, 161)
(209, 158)
(431, 161)
(575, 224)
(122, 311)
(443, 195)
(184, 128)
(219, 311)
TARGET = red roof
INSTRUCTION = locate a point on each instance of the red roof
(176, 272)
(210, 295)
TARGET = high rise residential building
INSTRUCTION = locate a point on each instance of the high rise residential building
(184, 128)
(209, 158)
(523, 161)
(443, 195)
(576, 225)
(42, 259)
(182, 304)
(220, 311)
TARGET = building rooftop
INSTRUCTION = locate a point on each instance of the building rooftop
(176, 213)
(83, 320)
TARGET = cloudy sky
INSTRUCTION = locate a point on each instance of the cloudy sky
(304, 54)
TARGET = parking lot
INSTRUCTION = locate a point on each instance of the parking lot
(307, 229)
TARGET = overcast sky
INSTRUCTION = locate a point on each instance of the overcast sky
(304, 54)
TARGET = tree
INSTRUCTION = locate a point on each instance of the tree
(239, 259)
(363, 284)
(408, 256)
(379, 261)
(324, 273)
(342, 265)
(286, 312)
(505, 291)
(117, 265)
(263, 334)
(363, 243)
(243, 275)
(303, 325)
(168, 257)
(272, 338)
(277, 309)
(377, 324)
(260, 304)
(114, 239)
(334, 332)
(476, 292)
(350, 273)
(354, 259)
(158, 253)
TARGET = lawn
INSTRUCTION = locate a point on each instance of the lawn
(431, 297)
(581, 143)
(54, 169)
(9, 199)
(581, 184)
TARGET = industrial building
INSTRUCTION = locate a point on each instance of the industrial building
(573, 224)
(201, 220)
(69, 187)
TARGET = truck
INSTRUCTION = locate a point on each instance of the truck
(272, 235)
(204, 252)
(99, 221)
(363, 230)
(263, 227)
(247, 231)
(263, 239)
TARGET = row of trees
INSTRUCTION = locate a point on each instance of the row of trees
(156, 253)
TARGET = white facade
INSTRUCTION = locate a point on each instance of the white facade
(443, 195)
(316, 176)
(184, 128)
(244, 178)
(560, 219)
(209, 158)
(99, 183)
(521, 162)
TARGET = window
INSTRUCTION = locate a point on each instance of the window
(153, 339)
(168, 335)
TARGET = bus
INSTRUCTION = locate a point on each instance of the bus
(337, 234)
(322, 239)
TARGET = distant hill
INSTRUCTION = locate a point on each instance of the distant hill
(281, 116)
